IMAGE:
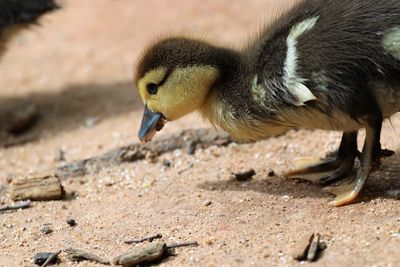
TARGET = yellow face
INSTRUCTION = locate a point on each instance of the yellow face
(179, 92)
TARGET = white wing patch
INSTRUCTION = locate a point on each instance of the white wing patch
(293, 82)
(391, 42)
(302, 93)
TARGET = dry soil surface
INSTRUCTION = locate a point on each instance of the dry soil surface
(79, 65)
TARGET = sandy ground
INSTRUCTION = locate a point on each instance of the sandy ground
(79, 65)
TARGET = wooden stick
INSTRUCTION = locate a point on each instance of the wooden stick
(141, 240)
(184, 244)
(51, 258)
(19, 205)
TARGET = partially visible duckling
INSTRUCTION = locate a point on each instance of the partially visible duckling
(325, 64)
(16, 15)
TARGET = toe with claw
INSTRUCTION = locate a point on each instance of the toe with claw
(327, 171)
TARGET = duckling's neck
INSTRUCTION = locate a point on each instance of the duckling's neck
(230, 102)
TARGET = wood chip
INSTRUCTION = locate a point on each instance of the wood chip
(309, 248)
(312, 254)
(144, 254)
(79, 255)
(300, 251)
(37, 187)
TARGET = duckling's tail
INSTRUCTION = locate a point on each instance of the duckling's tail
(14, 12)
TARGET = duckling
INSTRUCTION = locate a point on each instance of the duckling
(16, 15)
(324, 64)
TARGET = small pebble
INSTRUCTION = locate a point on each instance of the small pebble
(245, 176)
(271, 174)
(190, 147)
(60, 155)
(46, 230)
(323, 246)
(40, 258)
(167, 163)
(209, 242)
(90, 122)
(151, 157)
(71, 222)
(207, 203)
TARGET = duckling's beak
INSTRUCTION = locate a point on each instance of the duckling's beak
(152, 122)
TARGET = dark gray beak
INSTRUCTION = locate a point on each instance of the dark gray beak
(151, 123)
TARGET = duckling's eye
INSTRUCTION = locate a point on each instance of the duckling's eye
(152, 88)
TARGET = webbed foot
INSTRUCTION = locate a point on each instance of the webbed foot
(327, 171)
(348, 193)
(314, 170)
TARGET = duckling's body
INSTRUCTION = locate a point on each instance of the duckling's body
(16, 15)
(326, 64)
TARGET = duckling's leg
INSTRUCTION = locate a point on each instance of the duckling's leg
(334, 169)
(370, 161)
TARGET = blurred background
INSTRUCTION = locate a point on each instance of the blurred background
(78, 65)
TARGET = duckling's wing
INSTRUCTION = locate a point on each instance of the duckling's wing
(330, 50)
(344, 52)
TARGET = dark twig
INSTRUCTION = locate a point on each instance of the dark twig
(19, 205)
(184, 244)
(51, 258)
(186, 169)
(141, 240)
(79, 255)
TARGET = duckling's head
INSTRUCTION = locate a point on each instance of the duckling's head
(173, 78)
